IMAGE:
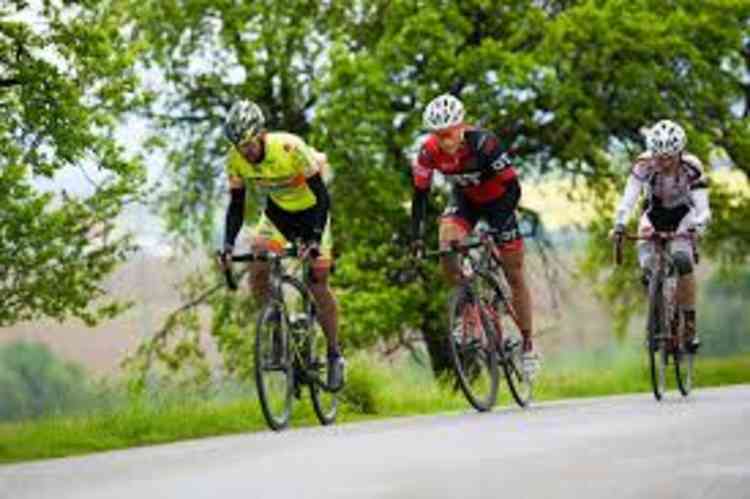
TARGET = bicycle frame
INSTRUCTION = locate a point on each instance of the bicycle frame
(663, 339)
(477, 304)
(482, 264)
(277, 276)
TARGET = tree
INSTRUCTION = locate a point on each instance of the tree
(569, 83)
(66, 79)
(574, 81)
(210, 54)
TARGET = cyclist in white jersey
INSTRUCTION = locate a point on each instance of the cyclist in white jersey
(676, 200)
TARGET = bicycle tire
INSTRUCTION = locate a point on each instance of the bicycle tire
(684, 368)
(313, 350)
(509, 353)
(683, 361)
(472, 355)
(275, 412)
(521, 387)
(656, 343)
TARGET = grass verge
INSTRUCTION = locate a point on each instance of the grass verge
(373, 391)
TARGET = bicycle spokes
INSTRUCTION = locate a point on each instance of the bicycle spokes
(273, 369)
(473, 353)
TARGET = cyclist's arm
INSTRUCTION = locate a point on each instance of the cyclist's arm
(629, 199)
(512, 195)
(322, 206)
(235, 216)
(418, 213)
(495, 160)
(698, 189)
(699, 197)
(494, 156)
(422, 181)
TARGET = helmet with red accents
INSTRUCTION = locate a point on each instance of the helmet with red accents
(442, 112)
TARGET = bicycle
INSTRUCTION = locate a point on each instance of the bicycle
(290, 346)
(484, 327)
(664, 325)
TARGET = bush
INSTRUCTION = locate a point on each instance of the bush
(724, 317)
(34, 383)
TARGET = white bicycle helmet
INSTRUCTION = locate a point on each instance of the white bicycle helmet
(666, 138)
(244, 120)
(442, 112)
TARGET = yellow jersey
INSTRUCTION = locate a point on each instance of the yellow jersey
(282, 175)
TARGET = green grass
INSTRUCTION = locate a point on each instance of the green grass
(373, 391)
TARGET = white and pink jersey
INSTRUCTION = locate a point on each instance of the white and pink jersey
(683, 191)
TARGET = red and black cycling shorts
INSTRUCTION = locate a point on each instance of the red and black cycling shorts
(461, 216)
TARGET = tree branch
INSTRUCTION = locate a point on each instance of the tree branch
(187, 118)
(10, 82)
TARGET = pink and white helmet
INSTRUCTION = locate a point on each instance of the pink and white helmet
(665, 138)
(442, 112)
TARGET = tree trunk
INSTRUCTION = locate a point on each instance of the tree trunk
(435, 337)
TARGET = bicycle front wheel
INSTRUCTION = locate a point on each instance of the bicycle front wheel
(273, 366)
(473, 351)
(325, 403)
(657, 344)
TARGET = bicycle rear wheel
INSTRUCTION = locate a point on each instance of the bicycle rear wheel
(521, 386)
(510, 352)
(473, 351)
(309, 348)
(684, 372)
(325, 403)
(273, 366)
(683, 360)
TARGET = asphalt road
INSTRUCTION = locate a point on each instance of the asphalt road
(615, 447)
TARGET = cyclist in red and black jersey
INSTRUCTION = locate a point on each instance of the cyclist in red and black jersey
(485, 187)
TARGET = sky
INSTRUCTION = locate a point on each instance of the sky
(147, 227)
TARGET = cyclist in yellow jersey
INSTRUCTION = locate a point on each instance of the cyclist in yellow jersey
(290, 175)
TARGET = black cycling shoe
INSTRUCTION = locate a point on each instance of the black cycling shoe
(336, 367)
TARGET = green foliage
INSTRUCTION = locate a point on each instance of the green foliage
(66, 79)
(570, 84)
(724, 318)
(175, 357)
(35, 383)
(210, 54)
(377, 390)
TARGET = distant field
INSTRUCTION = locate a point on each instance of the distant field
(150, 284)
(554, 199)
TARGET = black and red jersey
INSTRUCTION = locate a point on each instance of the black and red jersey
(480, 169)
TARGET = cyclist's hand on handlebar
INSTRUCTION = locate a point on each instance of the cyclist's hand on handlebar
(417, 249)
(697, 231)
(617, 232)
(648, 231)
(224, 257)
(309, 249)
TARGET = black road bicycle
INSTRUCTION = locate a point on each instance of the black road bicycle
(484, 329)
(290, 346)
(665, 324)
